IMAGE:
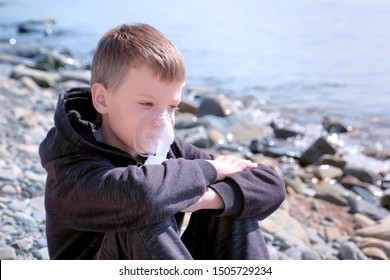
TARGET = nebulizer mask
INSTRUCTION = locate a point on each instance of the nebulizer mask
(154, 135)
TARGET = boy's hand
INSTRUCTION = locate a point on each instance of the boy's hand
(227, 165)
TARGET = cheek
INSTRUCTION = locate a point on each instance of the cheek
(124, 121)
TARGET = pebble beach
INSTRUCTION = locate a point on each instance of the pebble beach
(338, 197)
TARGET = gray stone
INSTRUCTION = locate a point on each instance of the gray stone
(197, 136)
(42, 78)
(379, 231)
(23, 218)
(38, 203)
(218, 106)
(7, 253)
(366, 195)
(319, 148)
(334, 125)
(185, 120)
(294, 253)
(9, 229)
(324, 250)
(15, 60)
(188, 106)
(363, 207)
(42, 243)
(310, 255)
(18, 205)
(363, 175)
(364, 242)
(385, 199)
(30, 84)
(8, 190)
(7, 174)
(39, 216)
(44, 253)
(33, 176)
(362, 220)
(284, 129)
(83, 76)
(350, 251)
(333, 160)
(334, 193)
(328, 172)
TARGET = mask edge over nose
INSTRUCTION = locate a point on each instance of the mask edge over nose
(154, 135)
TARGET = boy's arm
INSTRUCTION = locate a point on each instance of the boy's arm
(225, 166)
(263, 191)
(92, 194)
(209, 200)
(255, 192)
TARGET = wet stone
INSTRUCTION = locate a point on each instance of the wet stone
(319, 148)
(7, 253)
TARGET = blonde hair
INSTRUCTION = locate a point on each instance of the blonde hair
(132, 45)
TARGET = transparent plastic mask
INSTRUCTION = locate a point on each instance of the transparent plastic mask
(154, 135)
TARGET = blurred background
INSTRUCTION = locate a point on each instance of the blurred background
(328, 54)
(293, 71)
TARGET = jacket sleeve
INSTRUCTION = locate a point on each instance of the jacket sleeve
(95, 195)
(263, 191)
(255, 193)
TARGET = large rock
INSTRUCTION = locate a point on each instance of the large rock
(83, 76)
(379, 231)
(375, 253)
(218, 106)
(319, 148)
(15, 60)
(334, 125)
(363, 207)
(362, 220)
(326, 171)
(197, 136)
(334, 193)
(364, 242)
(363, 175)
(42, 78)
(284, 130)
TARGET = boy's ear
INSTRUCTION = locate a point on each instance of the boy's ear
(99, 98)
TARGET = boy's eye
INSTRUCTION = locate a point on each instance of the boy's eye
(173, 109)
(147, 105)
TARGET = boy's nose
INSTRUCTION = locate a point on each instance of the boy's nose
(161, 122)
(155, 123)
(160, 117)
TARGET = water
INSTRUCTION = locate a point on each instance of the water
(311, 58)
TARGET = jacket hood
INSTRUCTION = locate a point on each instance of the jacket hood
(74, 127)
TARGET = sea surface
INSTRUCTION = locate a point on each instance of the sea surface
(306, 58)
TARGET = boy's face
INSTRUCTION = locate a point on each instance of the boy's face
(125, 107)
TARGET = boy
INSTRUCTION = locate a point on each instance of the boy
(103, 203)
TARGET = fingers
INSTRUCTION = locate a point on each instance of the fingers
(242, 164)
(247, 164)
(226, 158)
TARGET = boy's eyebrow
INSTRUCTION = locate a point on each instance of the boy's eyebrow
(147, 95)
